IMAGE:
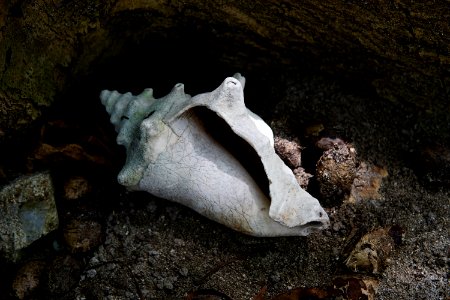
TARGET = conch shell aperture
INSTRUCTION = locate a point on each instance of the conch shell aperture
(212, 154)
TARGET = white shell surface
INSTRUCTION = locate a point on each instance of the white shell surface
(172, 154)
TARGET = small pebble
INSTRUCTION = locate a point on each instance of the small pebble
(168, 284)
(94, 260)
(91, 273)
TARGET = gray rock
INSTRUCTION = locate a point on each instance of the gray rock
(28, 212)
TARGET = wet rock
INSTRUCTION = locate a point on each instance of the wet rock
(28, 212)
(82, 235)
(371, 252)
(336, 168)
(28, 279)
(367, 182)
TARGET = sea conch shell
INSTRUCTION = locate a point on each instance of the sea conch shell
(212, 154)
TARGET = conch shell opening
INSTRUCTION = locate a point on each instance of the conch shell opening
(244, 153)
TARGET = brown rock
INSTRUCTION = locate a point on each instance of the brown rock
(302, 177)
(367, 182)
(28, 279)
(354, 288)
(82, 235)
(289, 151)
(336, 170)
(76, 187)
(371, 252)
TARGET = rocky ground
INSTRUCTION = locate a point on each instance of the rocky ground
(387, 198)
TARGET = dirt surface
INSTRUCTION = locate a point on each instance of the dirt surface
(150, 248)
